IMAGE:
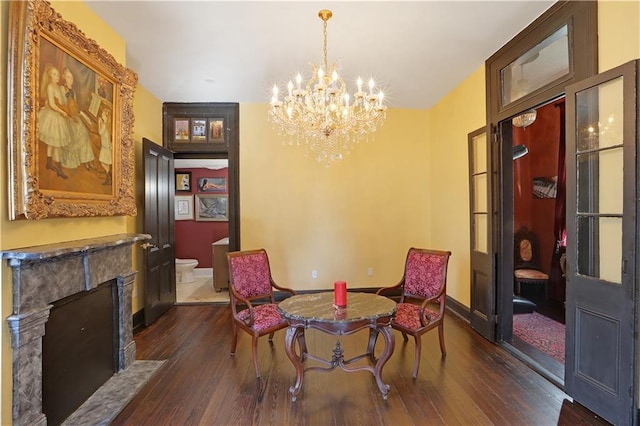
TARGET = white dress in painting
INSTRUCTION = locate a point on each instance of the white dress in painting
(79, 150)
(53, 127)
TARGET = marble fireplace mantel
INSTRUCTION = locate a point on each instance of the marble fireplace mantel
(47, 273)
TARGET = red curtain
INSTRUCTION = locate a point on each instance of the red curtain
(556, 278)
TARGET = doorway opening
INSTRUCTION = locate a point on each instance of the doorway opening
(202, 234)
(537, 138)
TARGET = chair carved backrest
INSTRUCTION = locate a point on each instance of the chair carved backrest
(250, 274)
(526, 250)
(425, 274)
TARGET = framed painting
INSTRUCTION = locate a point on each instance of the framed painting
(71, 151)
(216, 130)
(184, 207)
(212, 184)
(198, 130)
(183, 181)
(181, 129)
(212, 208)
(545, 187)
(203, 127)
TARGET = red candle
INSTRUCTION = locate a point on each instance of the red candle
(340, 293)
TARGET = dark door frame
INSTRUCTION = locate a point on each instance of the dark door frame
(581, 20)
(230, 113)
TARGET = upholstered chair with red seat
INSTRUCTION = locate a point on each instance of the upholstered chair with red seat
(422, 297)
(253, 304)
(530, 281)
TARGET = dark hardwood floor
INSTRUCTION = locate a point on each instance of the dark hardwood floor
(477, 383)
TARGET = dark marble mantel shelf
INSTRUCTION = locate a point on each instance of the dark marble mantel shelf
(46, 251)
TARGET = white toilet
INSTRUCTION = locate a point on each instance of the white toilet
(184, 270)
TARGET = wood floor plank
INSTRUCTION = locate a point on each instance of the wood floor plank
(477, 383)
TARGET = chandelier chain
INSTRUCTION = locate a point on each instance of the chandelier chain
(324, 47)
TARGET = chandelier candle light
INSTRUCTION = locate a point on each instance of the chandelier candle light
(321, 113)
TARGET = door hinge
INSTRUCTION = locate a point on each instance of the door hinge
(494, 318)
(494, 133)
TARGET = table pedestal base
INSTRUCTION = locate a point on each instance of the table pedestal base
(295, 332)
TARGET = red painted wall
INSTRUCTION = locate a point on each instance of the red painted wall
(194, 239)
(538, 214)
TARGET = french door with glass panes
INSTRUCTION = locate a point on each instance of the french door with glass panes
(601, 369)
(483, 305)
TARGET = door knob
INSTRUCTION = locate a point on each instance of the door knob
(148, 245)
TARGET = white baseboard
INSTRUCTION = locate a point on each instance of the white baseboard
(203, 272)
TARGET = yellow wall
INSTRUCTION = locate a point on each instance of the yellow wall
(408, 187)
(23, 233)
(461, 112)
(147, 110)
(618, 33)
(365, 211)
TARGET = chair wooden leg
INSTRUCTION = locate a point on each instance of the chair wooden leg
(441, 336)
(255, 355)
(416, 363)
(234, 338)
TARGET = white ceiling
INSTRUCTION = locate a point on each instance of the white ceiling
(234, 51)
(200, 163)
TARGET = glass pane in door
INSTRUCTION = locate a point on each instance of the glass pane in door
(599, 248)
(600, 179)
(479, 193)
(599, 122)
(480, 230)
(479, 154)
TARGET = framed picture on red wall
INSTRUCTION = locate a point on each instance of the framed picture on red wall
(212, 184)
(183, 181)
(211, 207)
(184, 207)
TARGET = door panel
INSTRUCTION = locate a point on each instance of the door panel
(602, 138)
(480, 202)
(159, 216)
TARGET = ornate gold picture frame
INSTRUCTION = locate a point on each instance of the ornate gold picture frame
(71, 151)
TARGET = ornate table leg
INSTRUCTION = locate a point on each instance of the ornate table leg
(302, 345)
(373, 337)
(293, 335)
(390, 343)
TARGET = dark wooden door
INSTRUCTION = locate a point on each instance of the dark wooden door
(483, 304)
(602, 239)
(159, 216)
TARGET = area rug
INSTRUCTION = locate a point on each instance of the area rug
(541, 332)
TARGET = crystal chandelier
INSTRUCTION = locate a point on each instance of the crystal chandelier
(322, 115)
